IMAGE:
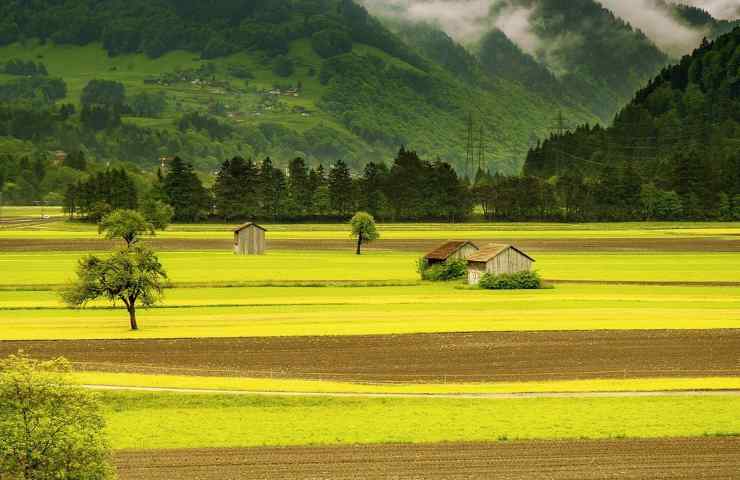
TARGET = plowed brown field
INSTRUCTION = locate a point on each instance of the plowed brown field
(456, 357)
(700, 458)
(536, 245)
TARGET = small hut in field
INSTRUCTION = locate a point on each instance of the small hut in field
(249, 239)
(497, 259)
(451, 251)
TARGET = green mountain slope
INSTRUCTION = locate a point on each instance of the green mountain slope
(680, 135)
(317, 79)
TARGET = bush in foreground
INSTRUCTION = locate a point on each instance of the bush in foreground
(49, 428)
(442, 272)
(511, 281)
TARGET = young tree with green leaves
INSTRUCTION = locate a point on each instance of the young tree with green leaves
(128, 225)
(363, 229)
(132, 275)
(49, 428)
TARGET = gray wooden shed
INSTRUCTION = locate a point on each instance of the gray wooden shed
(496, 259)
(249, 239)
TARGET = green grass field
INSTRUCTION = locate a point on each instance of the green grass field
(223, 268)
(472, 231)
(300, 293)
(324, 386)
(11, 212)
(149, 421)
(298, 311)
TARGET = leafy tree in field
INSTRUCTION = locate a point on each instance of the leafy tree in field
(128, 225)
(49, 428)
(363, 229)
(131, 275)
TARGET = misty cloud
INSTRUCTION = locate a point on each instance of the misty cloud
(668, 34)
(723, 9)
(464, 20)
(467, 20)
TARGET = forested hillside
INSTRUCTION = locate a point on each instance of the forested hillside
(321, 80)
(595, 54)
(675, 148)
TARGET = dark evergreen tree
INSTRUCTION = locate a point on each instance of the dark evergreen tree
(185, 192)
(341, 190)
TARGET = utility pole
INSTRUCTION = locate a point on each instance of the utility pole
(469, 154)
(481, 151)
(560, 127)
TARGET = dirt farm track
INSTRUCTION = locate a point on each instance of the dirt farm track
(704, 244)
(679, 459)
(454, 357)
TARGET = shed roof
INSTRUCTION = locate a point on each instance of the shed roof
(443, 252)
(493, 250)
(247, 225)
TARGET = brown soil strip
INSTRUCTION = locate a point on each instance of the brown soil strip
(678, 459)
(456, 357)
(701, 244)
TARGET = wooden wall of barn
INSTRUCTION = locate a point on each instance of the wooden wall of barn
(509, 261)
(250, 241)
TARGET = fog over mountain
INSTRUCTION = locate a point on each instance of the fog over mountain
(723, 9)
(467, 20)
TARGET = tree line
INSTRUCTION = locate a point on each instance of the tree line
(411, 189)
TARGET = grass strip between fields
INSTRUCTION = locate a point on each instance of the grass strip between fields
(322, 386)
(164, 420)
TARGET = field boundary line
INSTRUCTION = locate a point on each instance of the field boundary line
(489, 396)
(656, 283)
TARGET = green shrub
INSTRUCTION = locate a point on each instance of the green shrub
(511, 281)
(442, 272)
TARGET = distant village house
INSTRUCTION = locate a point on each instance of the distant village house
(249, 239)
(497, 259)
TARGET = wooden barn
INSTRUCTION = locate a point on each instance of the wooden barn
(249, 239)
(497, 259)
(451, 251)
